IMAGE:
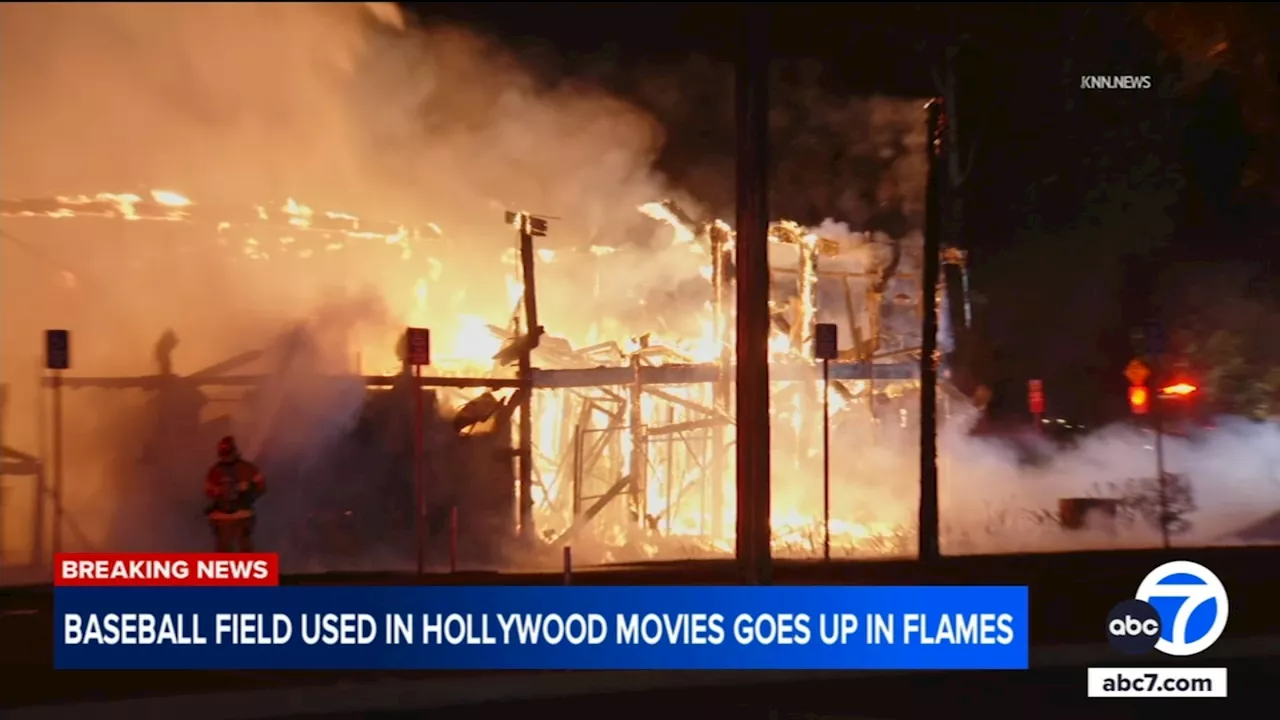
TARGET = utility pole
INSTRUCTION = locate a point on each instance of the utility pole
(928, 548)
(1158, 367)
(1162, 480)
(528, 227)
(1141, 400)
(752, 369)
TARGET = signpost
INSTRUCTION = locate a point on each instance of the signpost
(1140, 401)
(57, 349)
(57, 357)
(1154, 336)
(1035, 401)
(826, 349)
(1137, 372)
(419, 340)
(418, 353)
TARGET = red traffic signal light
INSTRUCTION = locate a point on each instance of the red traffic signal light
(1139, 399)
(1182, 389)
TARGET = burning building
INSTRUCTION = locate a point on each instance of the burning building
(219, 305)
(626, 426)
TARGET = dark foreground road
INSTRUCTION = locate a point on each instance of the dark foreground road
(1071, 595)
(1044, 694)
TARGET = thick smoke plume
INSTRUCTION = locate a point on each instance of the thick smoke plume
(338, 106)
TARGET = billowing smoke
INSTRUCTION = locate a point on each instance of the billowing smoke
(336, 107)
(345, 108)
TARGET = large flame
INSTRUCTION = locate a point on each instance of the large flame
(673, 442)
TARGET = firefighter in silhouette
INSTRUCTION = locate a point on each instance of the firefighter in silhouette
(233, 485)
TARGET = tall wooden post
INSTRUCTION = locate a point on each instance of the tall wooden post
(928, 520)
(525, 451)
(754, 531)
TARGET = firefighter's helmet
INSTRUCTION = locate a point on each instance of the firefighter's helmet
(227, 450)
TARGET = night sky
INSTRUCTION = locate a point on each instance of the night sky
(1085, 213)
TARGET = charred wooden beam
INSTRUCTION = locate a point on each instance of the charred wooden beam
(688, 426)
(688, 404)
(547, 379)
(708, 372)
(600, 503)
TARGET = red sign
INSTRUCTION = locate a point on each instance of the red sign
(165, 569)
(1035, 396)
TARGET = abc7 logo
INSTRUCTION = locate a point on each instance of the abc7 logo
(1136, 626)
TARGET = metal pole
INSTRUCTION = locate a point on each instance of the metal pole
(721, 399)
(639, 446)
(670, 475)
(1158, 423)
(57, 461)
(420, 490)
(928, 548)
(453, 539)
(752, 371)
(826, 460)
(568, 565)
(39, 538)
(577, 470)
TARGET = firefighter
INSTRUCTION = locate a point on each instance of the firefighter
(232, 486)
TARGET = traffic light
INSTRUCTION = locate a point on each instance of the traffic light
(1182, 389)
(1139, 399)
(538, 227)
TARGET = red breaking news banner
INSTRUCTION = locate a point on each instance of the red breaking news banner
(166, 569)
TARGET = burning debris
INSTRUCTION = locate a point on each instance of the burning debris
(260, 230)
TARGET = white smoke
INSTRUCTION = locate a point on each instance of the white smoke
(341, 106)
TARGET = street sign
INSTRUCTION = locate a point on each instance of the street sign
(1137, 372)
(1035, 396)
(825, 346)
(57, 349)
(419, 341)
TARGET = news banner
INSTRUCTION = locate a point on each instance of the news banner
(207, 612)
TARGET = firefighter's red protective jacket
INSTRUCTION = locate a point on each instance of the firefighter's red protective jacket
(232, 488)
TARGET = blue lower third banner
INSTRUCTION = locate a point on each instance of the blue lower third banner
(542, 628)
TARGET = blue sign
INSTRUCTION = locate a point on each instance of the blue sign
(57, 349)
(542, 628)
